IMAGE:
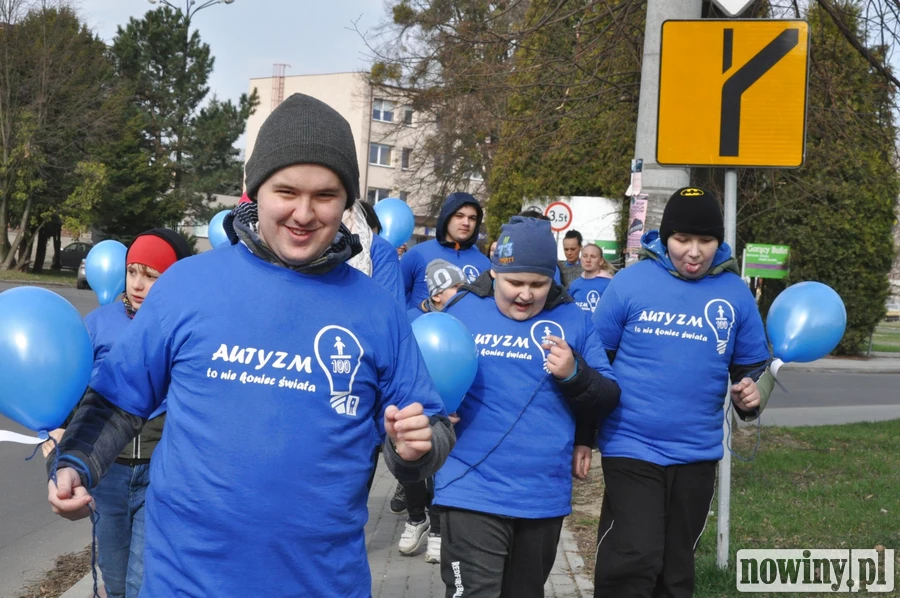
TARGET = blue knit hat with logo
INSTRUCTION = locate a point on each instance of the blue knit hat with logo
(525, 245)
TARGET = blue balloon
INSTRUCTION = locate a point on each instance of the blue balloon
(216, 234)
(806, 322)
(397, 220)
(46, 357)
(104, 268)
(450, 355)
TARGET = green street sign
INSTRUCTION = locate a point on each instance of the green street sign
(766, 261)
(610, 249)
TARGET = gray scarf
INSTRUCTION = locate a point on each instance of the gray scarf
(242, 224)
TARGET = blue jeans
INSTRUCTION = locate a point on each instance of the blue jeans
(120, 533)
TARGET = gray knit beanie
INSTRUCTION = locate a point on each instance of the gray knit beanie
(441, 275)
(304, 130)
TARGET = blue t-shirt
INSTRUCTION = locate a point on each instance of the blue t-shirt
(514, 458)
(416, 260)
(587, 291)
(386, 268)
(276, 384)
(674, 341)
(104, 325)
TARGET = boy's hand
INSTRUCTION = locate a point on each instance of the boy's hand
(581, 461)
(560, 359)
(67, 496)
(454, 419)
(409, 430)
(745, 395)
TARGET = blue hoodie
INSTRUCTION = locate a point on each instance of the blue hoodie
(674, 341)
(386, 268)
(465, 255)
(513, 455)
(105, 325)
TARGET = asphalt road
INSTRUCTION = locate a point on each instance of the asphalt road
(31, 536)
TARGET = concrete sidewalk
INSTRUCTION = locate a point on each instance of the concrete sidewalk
(855, 365)
(397, 576)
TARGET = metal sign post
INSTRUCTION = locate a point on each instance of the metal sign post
(724, 520)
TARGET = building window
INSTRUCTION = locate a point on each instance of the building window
(405, 158)
(374, 194)
(404, 195)
(379, 154)
(383, 110)
(408, 117)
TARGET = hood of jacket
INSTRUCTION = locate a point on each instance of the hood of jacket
(652, 248)
(453, 203)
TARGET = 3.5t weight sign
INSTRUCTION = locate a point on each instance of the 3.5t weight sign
(560, 215)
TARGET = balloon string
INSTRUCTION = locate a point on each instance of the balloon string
(728, 413)
(95, 516)
(499, 442)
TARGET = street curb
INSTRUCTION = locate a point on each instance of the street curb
(575, 562)
(85, 587)
(32, 283)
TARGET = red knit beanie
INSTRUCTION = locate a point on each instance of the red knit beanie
(151, 251)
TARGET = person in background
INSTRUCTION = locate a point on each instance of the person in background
(457, 231)
(444, 282)
(119, 497)
(377, 258)
(570, 268)
(596, 274)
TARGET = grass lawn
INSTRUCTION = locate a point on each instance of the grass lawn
(66, 277)
(817, 487)
(887, 337)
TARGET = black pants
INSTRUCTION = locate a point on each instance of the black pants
(375, 455)
(418, 500)
(486, 556)
(650, 525)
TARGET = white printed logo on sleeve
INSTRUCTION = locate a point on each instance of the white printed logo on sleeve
(339, 354)
(540, 330)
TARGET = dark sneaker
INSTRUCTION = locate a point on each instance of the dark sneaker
(398, 501)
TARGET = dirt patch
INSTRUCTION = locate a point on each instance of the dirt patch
(66, 572)
(587, 499)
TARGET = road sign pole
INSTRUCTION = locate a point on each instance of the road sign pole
(724, 520)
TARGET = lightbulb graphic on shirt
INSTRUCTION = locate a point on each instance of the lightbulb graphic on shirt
(720, 317)
(593, 298)
(540, 330)
(471, 272)
(339, 354)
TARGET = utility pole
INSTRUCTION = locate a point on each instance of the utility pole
(657, 182)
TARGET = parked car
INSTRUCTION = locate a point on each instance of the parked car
(893, 312)
(81, 282)
(72, 254)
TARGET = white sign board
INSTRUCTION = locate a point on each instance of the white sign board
(594, 217)
(733, 8)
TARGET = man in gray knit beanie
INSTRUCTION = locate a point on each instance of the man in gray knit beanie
(304, 130)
